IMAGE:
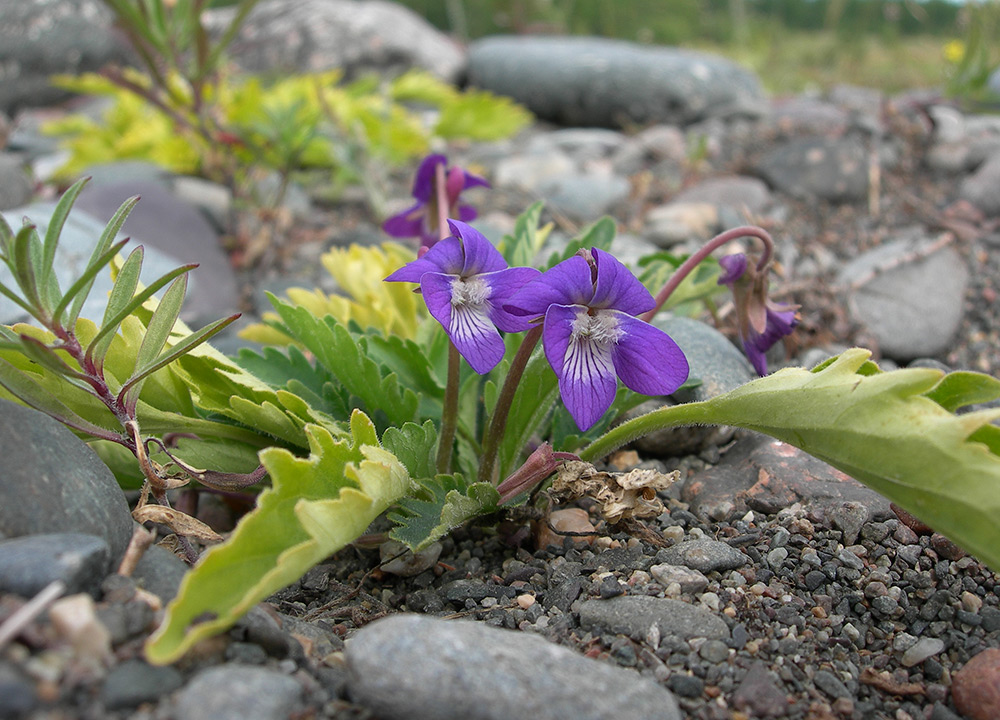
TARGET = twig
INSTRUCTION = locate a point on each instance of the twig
(30, 610)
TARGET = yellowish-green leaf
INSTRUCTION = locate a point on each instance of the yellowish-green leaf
(315, 506)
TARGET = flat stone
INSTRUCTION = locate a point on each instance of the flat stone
(834, 169)
(980, 188)
(599, 82)
(18, 696)
(239, 691)
(160, 572)
(412, 667)
(909, 295)
(677, 222)
(29, 563)
(42, 38)
(180, 233)
(704, 555)
(766, 475)
(922, 649)
(690, 581)
(50, 481)
(634, 614)
(15, 186)
(831, 684)
(587, 197)
(134, 682)
(734, 192)
(759, 693)
(299, 36)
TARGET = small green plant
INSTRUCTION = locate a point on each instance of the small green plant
(463, 415)
(974, 59)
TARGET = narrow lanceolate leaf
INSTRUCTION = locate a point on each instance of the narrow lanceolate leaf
(121, 293)
(21, 262)
(443, 503)
(98, 259)
(893, 431)
(81, 286)
(314, 507)
(52, 233)
(23, 387)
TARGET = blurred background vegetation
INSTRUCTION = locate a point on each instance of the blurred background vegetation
(793, 45)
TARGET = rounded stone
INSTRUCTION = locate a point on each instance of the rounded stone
(53, 483)
(239, 691)
(424, 668)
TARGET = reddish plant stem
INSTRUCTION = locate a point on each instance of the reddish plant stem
(707, 249)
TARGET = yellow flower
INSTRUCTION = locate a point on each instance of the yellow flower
(954, 51)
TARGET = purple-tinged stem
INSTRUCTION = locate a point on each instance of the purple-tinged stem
(494, 433)
(449, 415)
(707, 249)
(441, 185)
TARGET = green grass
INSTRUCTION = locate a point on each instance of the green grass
(793, 61)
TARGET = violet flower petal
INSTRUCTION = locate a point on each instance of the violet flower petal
(505, 284)
(408, 223)
(733, 267)
(445, 257)
(617, 287)
(632, 354)
(581, 361)
(568, 283)
(461, 306)
(423, 180)
(480, 255)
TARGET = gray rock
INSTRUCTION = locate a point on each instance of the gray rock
(690, 581)
(759, 693)
(678, 222)
(831, 684)
(584, 198)
(422, 668)
(715, 362)
(29, 563)
(922, 649)
(655, 144)
(533, 171)
(630, 249)
(134, 682)
(213, 199)
(15, 187)
(980, 188)
(18, 696)
(634, 615)
(44, 37)
(802, 114)
(298, 36)
(79, 235)
(582, 144)
(849, 519)
(238, 691)
(588, 81)
(834, 169)
(127, 171)
(704, 555)
(910, 298)
(160, 572)
(179, 232)
(735, 192)
(50, 481)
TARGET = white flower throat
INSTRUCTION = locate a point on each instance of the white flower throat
(473, 292)
(600, 328)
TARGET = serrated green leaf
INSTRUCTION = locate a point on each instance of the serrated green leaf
(345, 358)
(415, 446)
(480, 115)
(882, 428)
(444, 503)
(315, 506)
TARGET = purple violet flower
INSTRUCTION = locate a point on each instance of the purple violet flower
(421, 220)
(465, 283)
(760, 322)
(592, 337)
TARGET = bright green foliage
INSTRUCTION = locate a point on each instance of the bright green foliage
(698, 287)
(442, 504)
(304, 121)
(315, 506)
(893, 431)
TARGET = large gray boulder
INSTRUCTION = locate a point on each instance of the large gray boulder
(314, 35)
(40, 38)
(588, 81)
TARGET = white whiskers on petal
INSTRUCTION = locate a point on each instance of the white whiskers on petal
(471, 293)
(588, 355)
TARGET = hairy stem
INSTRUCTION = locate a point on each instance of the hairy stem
(707, 249)
(666, 417)
(494, 433)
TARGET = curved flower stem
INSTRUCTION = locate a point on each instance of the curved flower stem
(707, 249)
(441, 186)
(449, 415)
(695, 413)
(494, 433)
